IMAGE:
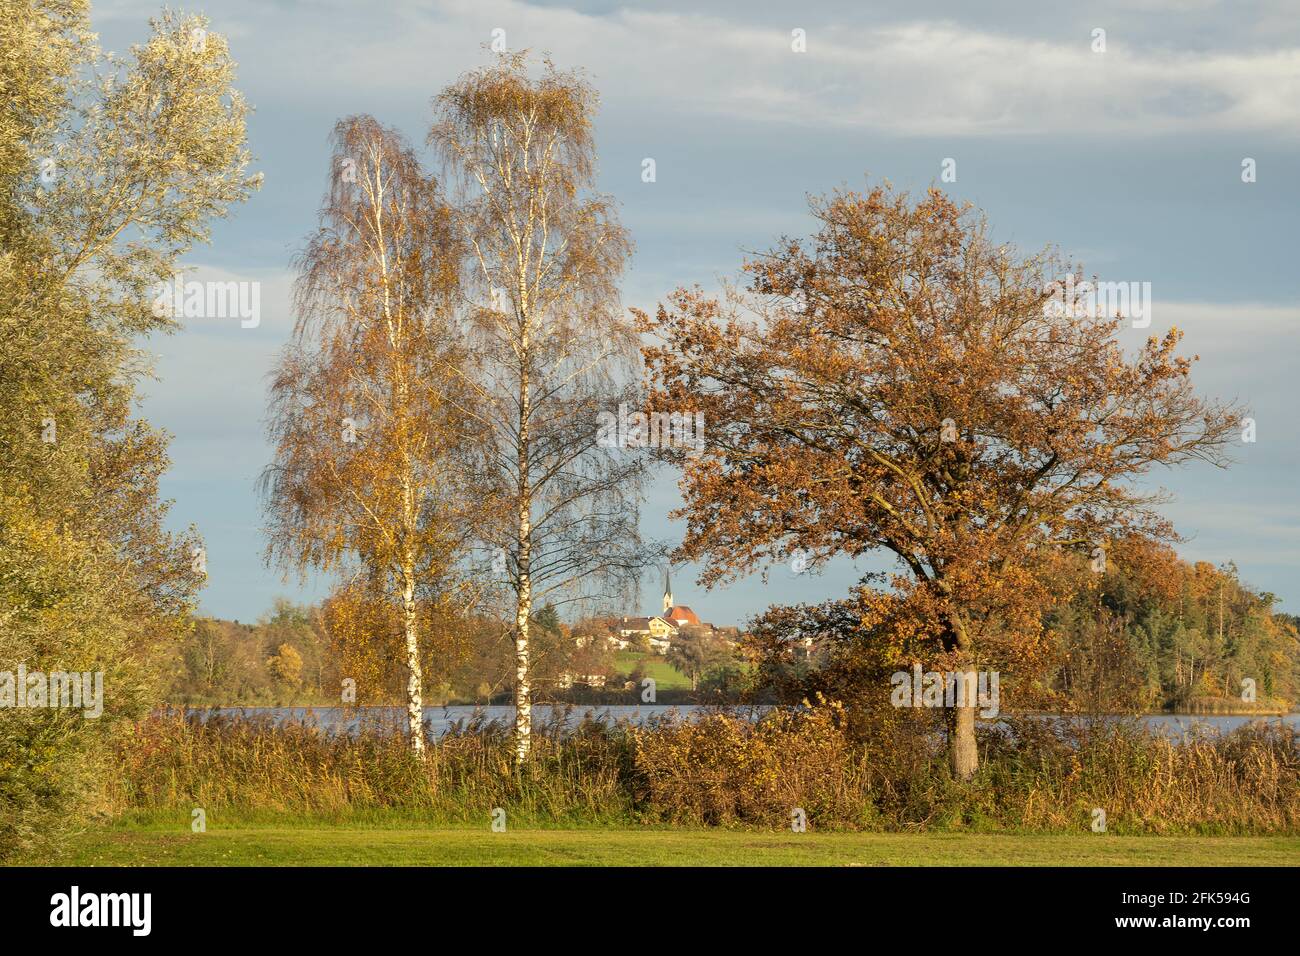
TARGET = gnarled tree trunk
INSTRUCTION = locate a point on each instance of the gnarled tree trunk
(962, 752)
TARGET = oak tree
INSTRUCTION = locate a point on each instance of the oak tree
(899, 383)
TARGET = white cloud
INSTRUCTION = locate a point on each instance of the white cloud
(720, 86)
(932, 78)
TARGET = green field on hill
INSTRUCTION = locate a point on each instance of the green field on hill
(666, 676)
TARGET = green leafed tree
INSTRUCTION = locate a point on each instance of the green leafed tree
(111, 168)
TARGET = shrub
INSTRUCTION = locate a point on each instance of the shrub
(725, 769)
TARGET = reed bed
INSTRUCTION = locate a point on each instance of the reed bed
(723, 770)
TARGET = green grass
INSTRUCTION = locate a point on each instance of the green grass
(318, 845)
(665, 675)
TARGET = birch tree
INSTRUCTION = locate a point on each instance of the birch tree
(370, 472)
(551, 347)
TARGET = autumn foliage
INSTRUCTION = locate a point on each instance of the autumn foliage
(899, 383)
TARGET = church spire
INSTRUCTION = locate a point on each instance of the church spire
(668, 592)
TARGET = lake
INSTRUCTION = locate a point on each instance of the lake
(439, 720)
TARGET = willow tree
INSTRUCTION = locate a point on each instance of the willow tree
(370, 476)
(110, 170)
(900, 384)
(551, 348)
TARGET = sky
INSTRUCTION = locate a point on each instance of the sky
(1128, 159)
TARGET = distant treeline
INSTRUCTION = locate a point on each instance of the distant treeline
(1161, 633)
(1151, 633)
(296, 655)
(1145, 631)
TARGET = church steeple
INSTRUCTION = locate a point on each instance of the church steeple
(668, 593)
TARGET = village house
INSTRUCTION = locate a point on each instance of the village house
(655, 630)
(590, 680)
(660, 630)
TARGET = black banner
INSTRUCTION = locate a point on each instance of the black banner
(606, 907)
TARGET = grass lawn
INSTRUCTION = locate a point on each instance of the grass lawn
(665, 675)
(348, 846)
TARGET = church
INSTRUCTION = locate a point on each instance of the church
(661, 628)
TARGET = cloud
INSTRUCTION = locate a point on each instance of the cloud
(1217, 530)
(741, 126)
(210, 390)
(946, 77)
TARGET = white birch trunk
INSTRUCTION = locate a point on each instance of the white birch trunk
(414, 680)
(524, 606)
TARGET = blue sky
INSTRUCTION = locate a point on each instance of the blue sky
(1128, 159)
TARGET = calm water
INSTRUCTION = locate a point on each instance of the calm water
(441, 719)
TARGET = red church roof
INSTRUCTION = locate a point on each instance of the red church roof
(681, 614)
